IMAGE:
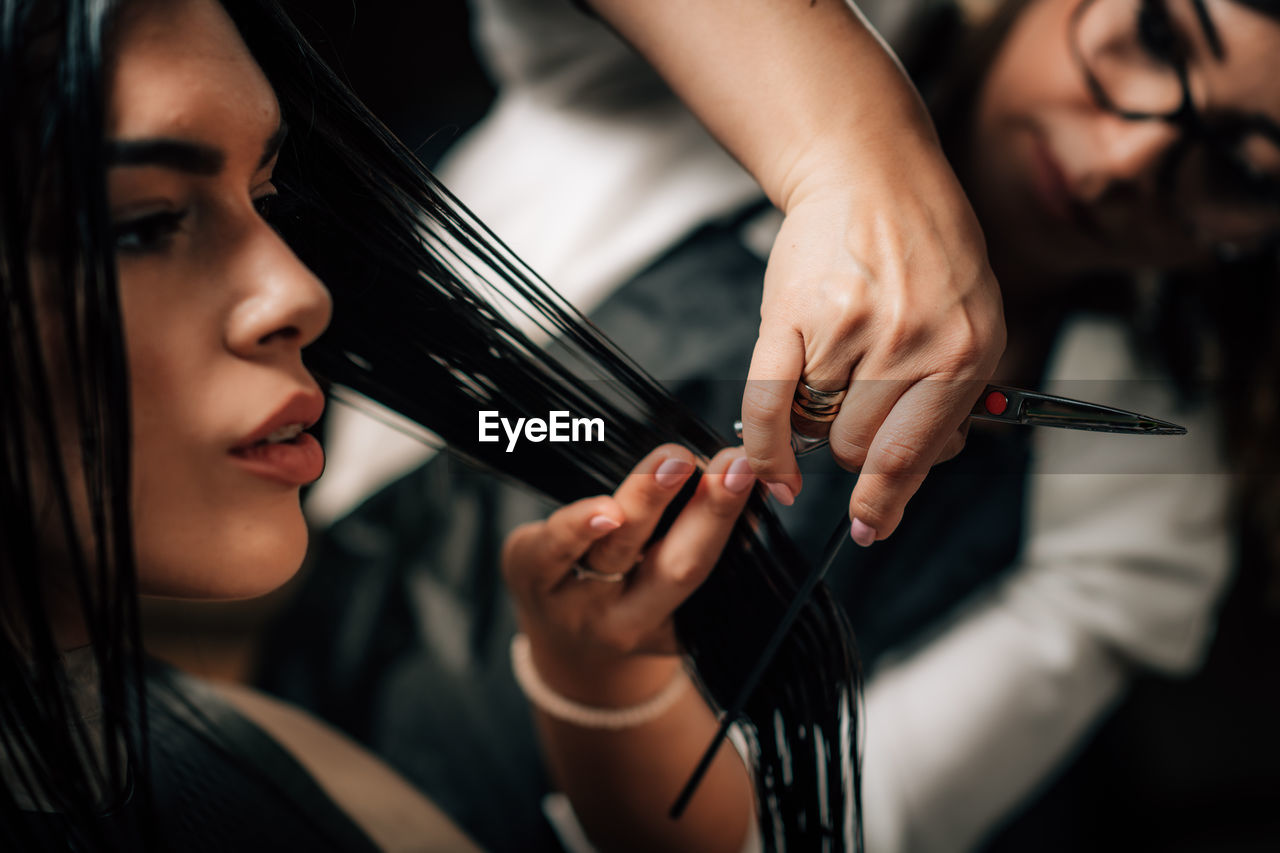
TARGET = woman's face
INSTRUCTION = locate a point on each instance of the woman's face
(1064, 186)
(216, 307)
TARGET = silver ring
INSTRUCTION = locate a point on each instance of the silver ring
(806, 391)
(583, 573)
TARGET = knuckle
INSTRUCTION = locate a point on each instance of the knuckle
(896, 459)
(847, 311)
(766, 465)
(968, 346)
(905, 334)
(763, 397)
(849, 449)
(685, 570)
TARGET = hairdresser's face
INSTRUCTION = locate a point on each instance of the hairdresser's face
(1064, 186)
(216, 307)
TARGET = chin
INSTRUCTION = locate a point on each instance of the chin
(245, 557)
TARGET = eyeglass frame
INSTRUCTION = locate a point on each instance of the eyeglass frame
(1217, 136)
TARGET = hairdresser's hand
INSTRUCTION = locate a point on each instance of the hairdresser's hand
(880, 285)
(880, 272)
(595, 641)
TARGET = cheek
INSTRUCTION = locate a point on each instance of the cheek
(203, 527)
(1033, 80)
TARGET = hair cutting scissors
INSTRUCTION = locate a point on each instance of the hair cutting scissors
(998, 403)
(1002, 404)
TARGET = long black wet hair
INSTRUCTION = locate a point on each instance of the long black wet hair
(64, 428)
(429, 308)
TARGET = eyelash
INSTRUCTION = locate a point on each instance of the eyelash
(151, 233)
(154, 232)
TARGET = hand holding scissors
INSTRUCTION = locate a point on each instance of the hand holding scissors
(812, 410)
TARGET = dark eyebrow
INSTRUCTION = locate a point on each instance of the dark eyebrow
(192, 157)
(170, 153)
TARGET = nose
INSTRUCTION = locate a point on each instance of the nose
(283, 306)
(1128, 154)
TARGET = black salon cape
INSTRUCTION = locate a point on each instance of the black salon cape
(219, 783)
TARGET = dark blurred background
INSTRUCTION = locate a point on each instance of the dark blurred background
(411, 62)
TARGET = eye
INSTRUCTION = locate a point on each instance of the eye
(150, 233)
(274, 208)
(266, 205)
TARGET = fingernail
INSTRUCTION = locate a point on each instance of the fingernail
(603, 523)
(739, 477)
(862, 533)
(782, 494)
(672, 472)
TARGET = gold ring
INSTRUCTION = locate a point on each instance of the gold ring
(815, 405)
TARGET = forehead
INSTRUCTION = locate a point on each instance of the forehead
(180, 69)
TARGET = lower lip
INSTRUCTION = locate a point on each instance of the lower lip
(293, 463)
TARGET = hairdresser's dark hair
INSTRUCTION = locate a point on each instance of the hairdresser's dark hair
(424, 297)
(1212, 330)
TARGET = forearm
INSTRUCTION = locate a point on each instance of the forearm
(622, 783)
(803, 95)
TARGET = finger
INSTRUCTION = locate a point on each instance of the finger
(955, 443)
(686, 555)
(861, 414)
(911, 438)
(766, 410)
(536, 556)
(643, 497)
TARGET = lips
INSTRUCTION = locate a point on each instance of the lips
(1050, 180)
(278, 449)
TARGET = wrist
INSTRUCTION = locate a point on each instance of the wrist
(601, 680)
(862, 168)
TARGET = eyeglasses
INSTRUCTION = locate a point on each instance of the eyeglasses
(1134, 55)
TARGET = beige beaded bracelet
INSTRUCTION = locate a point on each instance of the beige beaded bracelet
(586, 716)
